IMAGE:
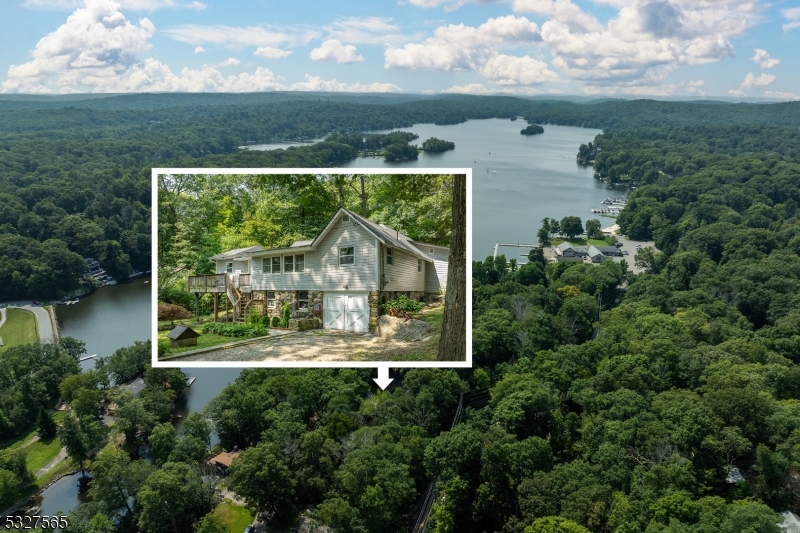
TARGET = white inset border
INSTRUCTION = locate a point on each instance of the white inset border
(308, 364)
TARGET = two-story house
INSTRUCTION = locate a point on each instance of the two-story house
(341, 276)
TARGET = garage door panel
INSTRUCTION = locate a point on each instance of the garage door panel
(348, 312)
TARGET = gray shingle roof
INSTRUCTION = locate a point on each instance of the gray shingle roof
(237, 252)
(182, 332)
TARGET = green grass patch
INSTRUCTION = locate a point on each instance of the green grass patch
(580, 241)
(41, 452)
(236, 517)
(205, 340)
(18, 329)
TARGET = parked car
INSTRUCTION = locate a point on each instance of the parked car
(624, 252)
(618, 244)
(638, 246)
(37, 302)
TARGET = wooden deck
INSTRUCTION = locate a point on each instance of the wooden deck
(218, 283)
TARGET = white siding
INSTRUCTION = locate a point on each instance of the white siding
(239, 267)
(436, 276)
(403, 274)
(321, 270)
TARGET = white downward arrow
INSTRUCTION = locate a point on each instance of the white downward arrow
(383, 378)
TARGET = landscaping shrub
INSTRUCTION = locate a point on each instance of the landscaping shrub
(173, 295)
(276, 321)
(285, 315)
(172, 312)
(401, 306)
(235, 330)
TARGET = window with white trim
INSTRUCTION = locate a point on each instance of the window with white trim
(271, 299)
(229, 268)
(347, 255)
(300, 263)
(302, 299)
(266, 265)
(276, 265)
(389, 258)
(288, 263)
(345, 218)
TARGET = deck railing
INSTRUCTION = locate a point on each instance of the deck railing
(207, 283)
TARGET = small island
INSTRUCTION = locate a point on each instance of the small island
(437, 145)
(533, 129)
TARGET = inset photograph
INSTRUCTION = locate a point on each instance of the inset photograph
(273, 269)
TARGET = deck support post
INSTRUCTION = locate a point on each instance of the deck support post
(197, 305)
(216, 306)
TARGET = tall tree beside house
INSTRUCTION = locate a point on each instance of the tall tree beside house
(453, 341)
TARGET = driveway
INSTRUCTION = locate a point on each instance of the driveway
(323, 345)
(630, 246)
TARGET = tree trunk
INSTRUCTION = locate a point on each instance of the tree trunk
(363, 199)
(453, 342)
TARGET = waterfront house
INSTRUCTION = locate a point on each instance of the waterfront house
(221, 464)
(339, 278)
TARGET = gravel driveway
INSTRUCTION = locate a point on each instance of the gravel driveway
(323, 345)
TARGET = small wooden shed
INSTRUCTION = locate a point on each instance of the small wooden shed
(182, 336)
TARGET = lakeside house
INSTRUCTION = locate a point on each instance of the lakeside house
(221, 464)
(597, 254)
(337, 280)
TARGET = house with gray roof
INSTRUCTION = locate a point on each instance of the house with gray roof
(339, 277)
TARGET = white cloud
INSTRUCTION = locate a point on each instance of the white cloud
(460, 47)
(96, 40)
(764, 60)
(129, 5)
(316, 83)
(793, 16)
(449, 5)
(199, 50)
(241, 36)
(736, 92)
(470, 88)
(645, 39)
(696, 87)
(231, 61)
(334, 50)
(368, 30)
(750, 80)
(511, 70)
(781, 95)
(272, 52)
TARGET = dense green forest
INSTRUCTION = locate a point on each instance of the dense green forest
(599, 400)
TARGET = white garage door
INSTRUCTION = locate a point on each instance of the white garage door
(347, 311)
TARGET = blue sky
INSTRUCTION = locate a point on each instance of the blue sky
(668, 48)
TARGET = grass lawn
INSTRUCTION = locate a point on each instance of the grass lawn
(205, 340)
(41, 452)
(579, 241)
(19, 328)
(236, 517)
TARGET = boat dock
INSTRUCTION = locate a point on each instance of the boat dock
(518, 245)
(190, 380)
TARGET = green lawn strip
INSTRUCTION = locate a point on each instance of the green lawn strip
(61, 468)
(579, 242)
(41, 452)
(205, 340)
(18, 329)
(236, 517)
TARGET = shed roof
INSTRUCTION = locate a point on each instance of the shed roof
(182, 332)
(791, 523)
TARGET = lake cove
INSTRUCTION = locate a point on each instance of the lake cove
(106, 320)
(517, 179)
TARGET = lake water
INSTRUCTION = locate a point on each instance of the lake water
(517, 179)
(279, 145)
(106, 320)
